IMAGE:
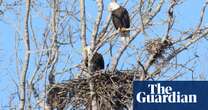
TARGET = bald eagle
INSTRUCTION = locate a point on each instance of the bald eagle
(97, 62)
(120, 19)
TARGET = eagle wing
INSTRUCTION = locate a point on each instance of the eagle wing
(126, 19)
(97, 62)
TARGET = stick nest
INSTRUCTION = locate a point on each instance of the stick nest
(157, 47)
(111, 91)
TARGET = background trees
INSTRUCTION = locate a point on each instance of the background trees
(43, 41)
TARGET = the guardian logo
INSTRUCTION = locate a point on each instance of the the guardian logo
(164, 94)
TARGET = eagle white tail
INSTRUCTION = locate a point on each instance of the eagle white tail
(125, 37)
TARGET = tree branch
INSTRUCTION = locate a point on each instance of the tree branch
(97, 23)
(26, 56)
(83, 27)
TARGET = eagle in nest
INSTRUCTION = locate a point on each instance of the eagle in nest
(97, 61)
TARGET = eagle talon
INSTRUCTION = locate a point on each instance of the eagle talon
(124, 29)
(119, 29)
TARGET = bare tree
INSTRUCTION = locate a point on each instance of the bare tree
(56, 34)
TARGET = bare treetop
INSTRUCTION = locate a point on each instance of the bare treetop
(84, 54)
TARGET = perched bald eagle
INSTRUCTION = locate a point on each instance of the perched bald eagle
(121, 20)
(97, 62)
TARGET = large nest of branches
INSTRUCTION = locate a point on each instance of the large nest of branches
(157, 47)
(112, 91)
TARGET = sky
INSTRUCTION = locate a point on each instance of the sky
(187, 17)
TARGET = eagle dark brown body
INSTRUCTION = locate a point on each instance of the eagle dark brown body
(120, 18)
(97, 62)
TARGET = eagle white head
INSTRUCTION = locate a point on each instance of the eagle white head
(87, 49)
(113, 6)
